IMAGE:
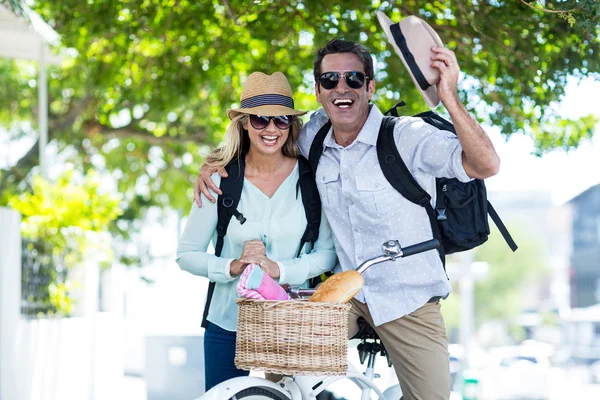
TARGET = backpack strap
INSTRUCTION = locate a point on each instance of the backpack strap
(394, 110)
(501, 227)
(436, 120)
(227, 202)
(316, 148)
(311, 201)
(430, 118)
(226, 208)
(395, 171)
(314, 155)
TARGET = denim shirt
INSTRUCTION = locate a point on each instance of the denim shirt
(278, 221)
(364, 210)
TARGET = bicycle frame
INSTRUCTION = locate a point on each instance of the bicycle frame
(293, 387)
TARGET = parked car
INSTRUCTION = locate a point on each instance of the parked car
(516, 372)
(595, 372)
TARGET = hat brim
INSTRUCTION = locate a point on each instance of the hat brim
(430, 94)
(267, 110)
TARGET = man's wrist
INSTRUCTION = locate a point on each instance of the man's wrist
(454, 105)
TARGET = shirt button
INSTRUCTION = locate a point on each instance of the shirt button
(356, 230)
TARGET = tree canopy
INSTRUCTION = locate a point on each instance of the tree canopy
(145, 84)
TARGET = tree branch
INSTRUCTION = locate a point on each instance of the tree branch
(230, 12)
(130, 131)
(28, 161)
(406, 11)
(540, 8)
(20, 170)
(66, 121)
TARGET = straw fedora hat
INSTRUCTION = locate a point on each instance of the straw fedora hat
(269, 95)
(412, 39)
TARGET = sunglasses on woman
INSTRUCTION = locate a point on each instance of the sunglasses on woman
(262, 121)
(354, 79)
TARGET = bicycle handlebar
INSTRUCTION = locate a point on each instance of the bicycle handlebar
(391, 251)
(420, 247)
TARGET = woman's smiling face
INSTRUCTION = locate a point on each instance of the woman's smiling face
(268, 140)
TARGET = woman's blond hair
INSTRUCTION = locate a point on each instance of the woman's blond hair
(236, 142)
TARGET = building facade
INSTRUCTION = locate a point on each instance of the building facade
(585, 256)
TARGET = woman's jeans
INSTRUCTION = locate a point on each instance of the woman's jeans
(219, 354)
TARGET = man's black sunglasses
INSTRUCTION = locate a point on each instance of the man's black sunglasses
(354, 79)
(262, 121)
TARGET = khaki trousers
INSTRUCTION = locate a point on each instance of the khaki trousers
(418, 348)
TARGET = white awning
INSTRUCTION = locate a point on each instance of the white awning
(26, 37)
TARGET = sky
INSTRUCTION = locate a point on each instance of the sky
(563, 174)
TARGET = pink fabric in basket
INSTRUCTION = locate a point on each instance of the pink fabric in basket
(255, 284)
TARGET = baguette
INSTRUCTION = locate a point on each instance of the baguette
(339, 288)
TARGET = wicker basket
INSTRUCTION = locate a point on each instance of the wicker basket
(292, 337)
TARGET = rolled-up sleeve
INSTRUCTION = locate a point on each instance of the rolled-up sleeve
(320, 259)
(191, 252)
(426, 148)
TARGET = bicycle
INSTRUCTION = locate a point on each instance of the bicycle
(308, 387)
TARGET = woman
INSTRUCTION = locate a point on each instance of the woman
(262, 133)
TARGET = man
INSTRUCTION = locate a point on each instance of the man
(400, 299)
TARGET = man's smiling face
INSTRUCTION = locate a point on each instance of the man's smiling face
(347, 108)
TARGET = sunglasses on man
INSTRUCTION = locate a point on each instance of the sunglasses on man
(262, 121)
(354, 79)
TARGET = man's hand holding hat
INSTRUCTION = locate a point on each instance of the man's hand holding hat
(432, 67)
(444, 60)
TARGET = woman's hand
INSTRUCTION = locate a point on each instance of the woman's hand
(254, 252)
(270, 267)
(253, 248)
(236, 268)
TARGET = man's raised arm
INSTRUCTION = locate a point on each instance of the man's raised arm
(480, 159)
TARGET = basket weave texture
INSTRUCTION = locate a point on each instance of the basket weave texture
(292, 337)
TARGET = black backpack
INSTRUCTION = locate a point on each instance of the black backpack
(459, 220)
(232, 191)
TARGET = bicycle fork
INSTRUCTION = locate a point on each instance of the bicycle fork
(368, 351)
(370, 375)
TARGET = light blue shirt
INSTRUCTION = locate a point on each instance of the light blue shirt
(278, 221)
(364, 210)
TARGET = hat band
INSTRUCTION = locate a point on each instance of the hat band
(268, 100)
(408, 57)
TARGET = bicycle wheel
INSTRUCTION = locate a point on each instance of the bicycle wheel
(259, 393)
